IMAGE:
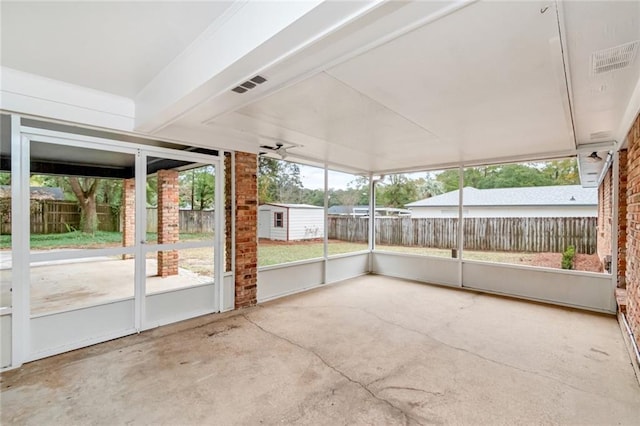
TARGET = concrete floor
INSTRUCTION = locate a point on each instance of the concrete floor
(371, 350)
(62, 285)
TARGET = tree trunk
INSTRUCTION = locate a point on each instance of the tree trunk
(87, 201)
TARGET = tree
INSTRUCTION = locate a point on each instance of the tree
(85, 191)
(557, 172)
(279, 181)
(397, 190)
(197, 188)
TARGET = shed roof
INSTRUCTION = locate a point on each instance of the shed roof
(561, 195)
(36, 192)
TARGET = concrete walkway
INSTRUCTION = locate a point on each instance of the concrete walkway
(371, 350)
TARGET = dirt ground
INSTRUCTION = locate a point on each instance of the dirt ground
(582, 262)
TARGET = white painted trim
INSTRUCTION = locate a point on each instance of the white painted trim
(80, 344)
(78, 254)
(18, 247)
(73, 139)
(219, 234)
(6, 310)
(349, 254)
(33, 94)
(81, 308)
(415, 255)
(172, 92)
(563, 71)
(287, 264)
(536, 268)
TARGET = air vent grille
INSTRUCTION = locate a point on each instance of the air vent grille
(614, 58)
(249, 84)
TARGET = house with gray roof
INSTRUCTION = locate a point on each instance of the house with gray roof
(538, 201)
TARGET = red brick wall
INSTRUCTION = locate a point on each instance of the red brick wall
(633, 229)
(168, 220)
(246, 270)
(605, 213)
(622, 220)
(128, 214)
(227, 212)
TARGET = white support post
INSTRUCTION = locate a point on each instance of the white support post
(141, 237)
(372, 220)
(233, 226)
(326, 223)
(219, 235)
(460, 223)
(19, 246)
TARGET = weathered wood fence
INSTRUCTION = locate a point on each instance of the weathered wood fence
(527, 234)
(55, 217)
(191, 221)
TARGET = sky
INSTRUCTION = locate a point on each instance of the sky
(313, 178)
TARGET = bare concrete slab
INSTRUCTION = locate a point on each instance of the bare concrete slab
(371, 350)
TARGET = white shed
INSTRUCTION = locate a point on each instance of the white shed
(290, 222)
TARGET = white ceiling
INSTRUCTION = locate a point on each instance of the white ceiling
(364, 86)
(459, 89)
(116, 47)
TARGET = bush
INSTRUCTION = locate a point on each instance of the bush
(567, 257)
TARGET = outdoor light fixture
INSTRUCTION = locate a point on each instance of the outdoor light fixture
(594, 158)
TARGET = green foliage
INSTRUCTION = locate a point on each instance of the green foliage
(197, 188)
(5, 178)
(557, 172)
(279, 181)
(567, 257)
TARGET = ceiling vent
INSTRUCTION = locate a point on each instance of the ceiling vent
(249, 84)
(614, 58)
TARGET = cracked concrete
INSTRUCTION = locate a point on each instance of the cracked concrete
(371, 350)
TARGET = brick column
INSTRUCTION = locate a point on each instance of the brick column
(246, 267)
(633, 230)
(227, 212)
(168, 220)
(128, 215)
(622, 220)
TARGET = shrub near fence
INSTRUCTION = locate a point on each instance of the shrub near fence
(528, 234)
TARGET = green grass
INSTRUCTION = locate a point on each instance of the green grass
(78, 240)
(282, 253)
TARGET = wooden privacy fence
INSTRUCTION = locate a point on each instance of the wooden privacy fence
(191, 221)
(526, 234)
(56, 217)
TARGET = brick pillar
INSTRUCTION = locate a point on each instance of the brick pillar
(246, 268)
(128, 214)
(633, 230)
(622, 220)
(168, 220)
(227, 212)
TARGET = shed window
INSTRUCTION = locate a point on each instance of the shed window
(278, 220)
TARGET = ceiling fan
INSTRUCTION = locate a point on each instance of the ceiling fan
(278, 148)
